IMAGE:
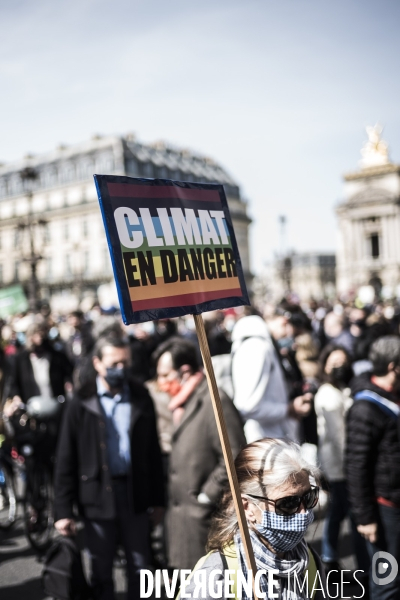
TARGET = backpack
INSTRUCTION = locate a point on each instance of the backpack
(62, 576)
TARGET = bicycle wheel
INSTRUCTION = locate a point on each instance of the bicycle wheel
(38, 509)
(8, 502)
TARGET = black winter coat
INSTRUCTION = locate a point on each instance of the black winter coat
(372, 459)
(23, 382)
(82, 476)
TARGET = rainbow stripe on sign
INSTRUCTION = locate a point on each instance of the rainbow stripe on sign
(173, 243)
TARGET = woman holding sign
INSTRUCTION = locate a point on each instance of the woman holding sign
(279, 491)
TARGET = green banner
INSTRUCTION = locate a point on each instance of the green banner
(12, 301)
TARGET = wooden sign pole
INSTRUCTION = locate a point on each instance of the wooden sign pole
(226, 447)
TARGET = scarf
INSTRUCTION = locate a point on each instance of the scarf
(295, 562)
(177, 403)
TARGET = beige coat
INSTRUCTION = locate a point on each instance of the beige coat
(197, 465)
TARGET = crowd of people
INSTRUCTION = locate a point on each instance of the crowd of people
(136, 447)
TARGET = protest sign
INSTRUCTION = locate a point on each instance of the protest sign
(172, 246)
(174, 252)
(12, 301)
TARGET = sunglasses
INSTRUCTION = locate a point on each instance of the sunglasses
(289, 505)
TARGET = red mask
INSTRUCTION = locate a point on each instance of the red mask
(171, 387)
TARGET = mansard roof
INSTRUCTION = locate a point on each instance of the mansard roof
(114, 155)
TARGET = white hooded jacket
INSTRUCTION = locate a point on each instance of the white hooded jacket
(260, 392)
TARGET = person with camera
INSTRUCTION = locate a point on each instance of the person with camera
(39, 377)
(43, 373)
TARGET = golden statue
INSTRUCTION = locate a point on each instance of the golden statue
(375, 151)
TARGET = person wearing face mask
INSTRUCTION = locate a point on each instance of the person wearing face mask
(332, 403)
(197, 473)
(109, 466)
(279, 491)
(373, 457)
(39, 369)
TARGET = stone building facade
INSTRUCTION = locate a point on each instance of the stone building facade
(62, 203)
(307, 275)
(314, 275)
(368, 252)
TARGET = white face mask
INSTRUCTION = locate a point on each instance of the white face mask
(284, 532)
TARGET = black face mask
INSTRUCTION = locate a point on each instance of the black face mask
(38, 349)
(342, 374)
(359, 323)
(115, 377)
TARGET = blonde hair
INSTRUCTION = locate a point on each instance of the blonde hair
(261, 467)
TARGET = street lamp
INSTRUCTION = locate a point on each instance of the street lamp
(285, 259)
(29, 227)
(78, 270)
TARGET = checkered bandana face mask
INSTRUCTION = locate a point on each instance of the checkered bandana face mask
(289, 571)
(284, 532)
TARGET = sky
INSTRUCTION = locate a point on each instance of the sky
(278, 92)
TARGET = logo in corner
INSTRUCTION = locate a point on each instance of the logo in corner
(384, 568)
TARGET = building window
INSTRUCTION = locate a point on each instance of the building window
(17, 237)
(16, 270)
(109, 164)
(148, 170)
(86, 265)
(68, 267)
(49, 268)
(16, 185)
(374, 245)
(132, 167)
(89, 169)
(46, 178)
(106, 260)
(85, 228)
(46, 233)
(66, 230)
(80, 171)
(69, 172)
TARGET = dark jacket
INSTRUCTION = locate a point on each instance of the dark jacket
(372, 459)
(23, 382)
(197, 465)
(86, 342)
(82, 476)
(6, 372)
